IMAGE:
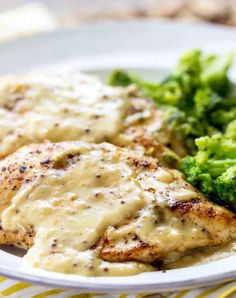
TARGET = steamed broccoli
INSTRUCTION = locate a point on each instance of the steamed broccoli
(214, 73)
(230, 131)
(226, 188)
(197, 102)
(221, 117)
(205, 100)
(213, 169)
(195, 97)
(120, 78)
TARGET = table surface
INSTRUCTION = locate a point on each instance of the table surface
(71, 12)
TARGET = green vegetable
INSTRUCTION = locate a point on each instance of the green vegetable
(230, 132)
(214, 73)
(198, 103)
(205, 100)
(195, 97)
(120, 78)
(226, 188)
(221, 118)
(213, 169)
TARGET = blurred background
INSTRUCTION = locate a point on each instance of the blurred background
(71, 12)
(24, 17)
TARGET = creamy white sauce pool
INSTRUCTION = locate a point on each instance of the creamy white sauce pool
(71, 208)
(202, 256)
(59, 108)
(73, 204)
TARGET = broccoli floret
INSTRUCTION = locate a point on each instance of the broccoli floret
(221, 118)
(197, 102)
(196, 176)
(213, 169)
(207, 71)
(225, 186)
(190, 62)
(194, 96)
(214, 73)
(216, 147)
(189, 127)
(205, 101)
(124, 78)
(230, 131)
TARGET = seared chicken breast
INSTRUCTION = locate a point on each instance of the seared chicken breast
(98, 209)
(72, 106)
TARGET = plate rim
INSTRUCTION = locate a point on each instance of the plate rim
(118, 287)
(96, 27)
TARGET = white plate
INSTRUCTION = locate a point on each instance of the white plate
(150, 48)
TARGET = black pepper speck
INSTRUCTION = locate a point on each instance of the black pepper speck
(22, 169)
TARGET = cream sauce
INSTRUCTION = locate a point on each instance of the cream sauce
(35, 108)
(70, 209)
(100, 189)
(156, 223)
(202, 256)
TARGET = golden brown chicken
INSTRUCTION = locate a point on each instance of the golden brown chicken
(72, 106)
(103, 210)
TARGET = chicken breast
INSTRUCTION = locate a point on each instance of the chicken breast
(72, 106)
(102, 210)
